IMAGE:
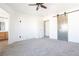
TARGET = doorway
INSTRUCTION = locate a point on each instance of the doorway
(4, 28)
(46, 29)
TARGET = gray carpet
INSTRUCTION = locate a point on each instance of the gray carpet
(42, 47)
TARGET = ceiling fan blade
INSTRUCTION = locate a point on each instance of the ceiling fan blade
(32, 4)
(43, 6)
(39, 3)
(37, 8)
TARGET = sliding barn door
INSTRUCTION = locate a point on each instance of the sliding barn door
(62, 27)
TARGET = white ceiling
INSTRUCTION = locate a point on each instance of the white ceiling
(52, 8)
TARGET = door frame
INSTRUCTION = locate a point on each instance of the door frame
(45, 28)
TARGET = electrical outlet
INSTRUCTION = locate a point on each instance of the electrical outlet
(19, 36)
(20, 21)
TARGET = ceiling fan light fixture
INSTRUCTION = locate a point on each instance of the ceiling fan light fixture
(38, 5)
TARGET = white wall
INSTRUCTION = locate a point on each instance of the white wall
(47, 28)
(30, 27)
(40, 27)
(73, 27)
(53, 27)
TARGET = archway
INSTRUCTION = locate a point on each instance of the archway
(4, 28)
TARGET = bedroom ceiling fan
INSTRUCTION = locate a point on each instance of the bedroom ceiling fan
(38, 5)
